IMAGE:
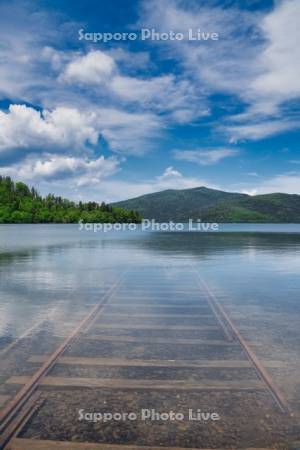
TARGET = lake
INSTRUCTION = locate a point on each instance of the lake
(52, 275)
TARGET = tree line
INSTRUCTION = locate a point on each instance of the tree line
(21, 204)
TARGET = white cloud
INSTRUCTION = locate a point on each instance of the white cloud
(21, 30)
(95, 67)
(204, 157)
(257, 131)
(135, 89)
(55, 58)
(288, 183)
(129, 132)
(23, 127)
(280, 59)
(81, 171)
(169, 173)
(130, 61)
(163, 93)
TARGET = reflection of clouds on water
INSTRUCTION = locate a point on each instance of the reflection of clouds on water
(46, 275)
(42, 279)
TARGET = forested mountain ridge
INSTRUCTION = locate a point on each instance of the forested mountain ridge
(212, 205)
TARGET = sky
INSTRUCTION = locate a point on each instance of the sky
(107, 100)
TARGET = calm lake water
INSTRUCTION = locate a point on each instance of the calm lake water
(59, 270)
(56, 273)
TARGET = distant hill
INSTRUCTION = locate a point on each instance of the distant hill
(212, 205)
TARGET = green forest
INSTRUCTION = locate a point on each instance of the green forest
(21, 204)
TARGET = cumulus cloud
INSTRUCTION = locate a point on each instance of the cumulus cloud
(204, 157)
(169, 173)
(24, 127)
(71, 130)
(95, 67)
(81, 171)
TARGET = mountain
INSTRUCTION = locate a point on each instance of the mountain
(211, 205)
(21, 204)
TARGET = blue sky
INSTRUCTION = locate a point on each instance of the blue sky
(112, 120)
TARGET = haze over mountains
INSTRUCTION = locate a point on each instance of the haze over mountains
(212, 205)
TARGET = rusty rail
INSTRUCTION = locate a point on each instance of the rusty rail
(215, 310)
(260, 370)
(20, 420)
(8, 413)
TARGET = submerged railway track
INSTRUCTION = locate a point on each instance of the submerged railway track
(149, 324)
